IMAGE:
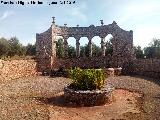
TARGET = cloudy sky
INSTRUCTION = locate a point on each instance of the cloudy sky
(141, 16)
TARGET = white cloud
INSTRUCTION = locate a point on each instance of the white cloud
(143, 36)
(6, 14)
(139, 10)
(79, 12)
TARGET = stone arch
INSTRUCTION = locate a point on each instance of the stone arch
(108, 45)
(71, 47)
(84, 52)
(122, 42)
(59, 47)
(96, 46)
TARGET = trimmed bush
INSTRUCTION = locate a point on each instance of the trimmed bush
(86, 79)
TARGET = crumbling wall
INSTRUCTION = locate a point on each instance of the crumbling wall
(147, 67)
(46, 43)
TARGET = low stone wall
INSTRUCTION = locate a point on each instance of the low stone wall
(86, 62)
(16, 69)
(147, 67)
(88, 98)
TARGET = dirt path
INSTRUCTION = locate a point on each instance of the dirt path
(18, 100)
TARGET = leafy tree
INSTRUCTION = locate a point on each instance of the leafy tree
(59, 48)
(153, 51)
(96, 50)
(109, 48)
(84, 51)
(138, 51)
(71, 51)
(31, 50)
(4, 47)
(155, 43)
(16, 47)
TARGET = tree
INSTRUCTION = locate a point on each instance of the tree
(138, 51)
(4, 47)
(84, 51)
(153, 51)
(155, 43)
(16, 47)
(59, 48)
(109, 48)
(96, 50)
(71, 51)
(31, 50)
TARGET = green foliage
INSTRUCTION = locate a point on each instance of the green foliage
(138, 51)
(4, 47)
(59, 48)
(155, 43)
(12, 48)
(87, 79)
(84, 51)
(96, 50)
(109, 48)
(15, 47)
(71, 52)
(30, 49)
(153, 51)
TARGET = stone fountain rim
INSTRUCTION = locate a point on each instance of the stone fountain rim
(106, 89)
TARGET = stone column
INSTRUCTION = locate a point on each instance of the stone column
(65, 47)
(102, 46)
(90, 47)
(77, 47)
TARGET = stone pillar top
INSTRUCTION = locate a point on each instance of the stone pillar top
(114, 22)
(102, 23)
(53, 20)
(65, 25)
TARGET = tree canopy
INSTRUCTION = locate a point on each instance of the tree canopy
(12, 47)
(153, 50)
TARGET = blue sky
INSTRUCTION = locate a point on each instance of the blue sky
(141, 16)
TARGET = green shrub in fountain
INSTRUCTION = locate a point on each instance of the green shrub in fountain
(86, 79)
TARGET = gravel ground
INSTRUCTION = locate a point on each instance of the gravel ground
(151, 95)
(18, 98)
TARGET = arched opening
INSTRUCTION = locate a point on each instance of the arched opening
(59, 47)
(108, 45)
(84, 50)
(71, 47)
(96, 46)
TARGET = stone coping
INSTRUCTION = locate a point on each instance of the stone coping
(106, 89)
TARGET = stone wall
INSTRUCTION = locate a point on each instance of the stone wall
(85, 62)
(147, 67)
(46, 43)
(88, 97)
(16, 69)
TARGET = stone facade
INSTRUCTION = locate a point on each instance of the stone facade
(146, 67)
(88, 98)
(46, 43)
(86, 62)
(16, 68)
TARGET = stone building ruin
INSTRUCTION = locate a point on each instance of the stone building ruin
(46, 44)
